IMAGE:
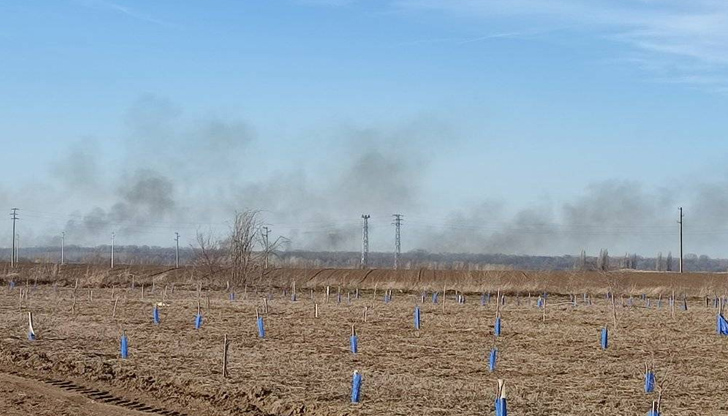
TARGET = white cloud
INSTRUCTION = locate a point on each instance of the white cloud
(678, 37)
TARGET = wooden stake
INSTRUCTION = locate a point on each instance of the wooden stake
(501, 389)
(366, 309)
(315, 310)
(498, 304)
(225, 356)
(113, 312)
(30, 323)
(444, 297)
(614, 311)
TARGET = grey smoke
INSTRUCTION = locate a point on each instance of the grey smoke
(169, 164)
(78, 170)
(174, 169)
(144, 198)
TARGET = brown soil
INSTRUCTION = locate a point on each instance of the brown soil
(303, 366)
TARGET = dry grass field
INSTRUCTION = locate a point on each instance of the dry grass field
(552, 366)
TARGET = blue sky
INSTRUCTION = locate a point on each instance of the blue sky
(521, 105)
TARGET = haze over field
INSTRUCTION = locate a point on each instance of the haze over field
(494, 126)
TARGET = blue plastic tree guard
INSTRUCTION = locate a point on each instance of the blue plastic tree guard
(124, 347)
(501, 407)
(261, 327)
(492, 359)
(722, 326)
(356, 387)
(649, 382)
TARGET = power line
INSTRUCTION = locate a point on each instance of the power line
(14, 217)
(265, 233)
(680, 221)
(113, 236)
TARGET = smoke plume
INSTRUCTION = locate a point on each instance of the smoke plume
(173, 173)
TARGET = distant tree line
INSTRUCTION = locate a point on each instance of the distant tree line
(241, 257)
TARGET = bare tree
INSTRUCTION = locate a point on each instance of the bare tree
(658, 262)
(207, 252)
(668, 266)
(241, 245)
(603, 260)
(581, 262)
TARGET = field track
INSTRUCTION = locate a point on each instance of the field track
(21, 394)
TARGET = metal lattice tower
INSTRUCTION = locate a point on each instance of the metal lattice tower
(176, 251)
(397, 241)
(365, 240)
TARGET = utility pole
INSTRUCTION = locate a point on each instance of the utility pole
(63, 243)
(17, 249)
(265, 233)
(176, 253)
(680, 221)
(14, 217)
(365, 241)
(397, 243)
(113, 235)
